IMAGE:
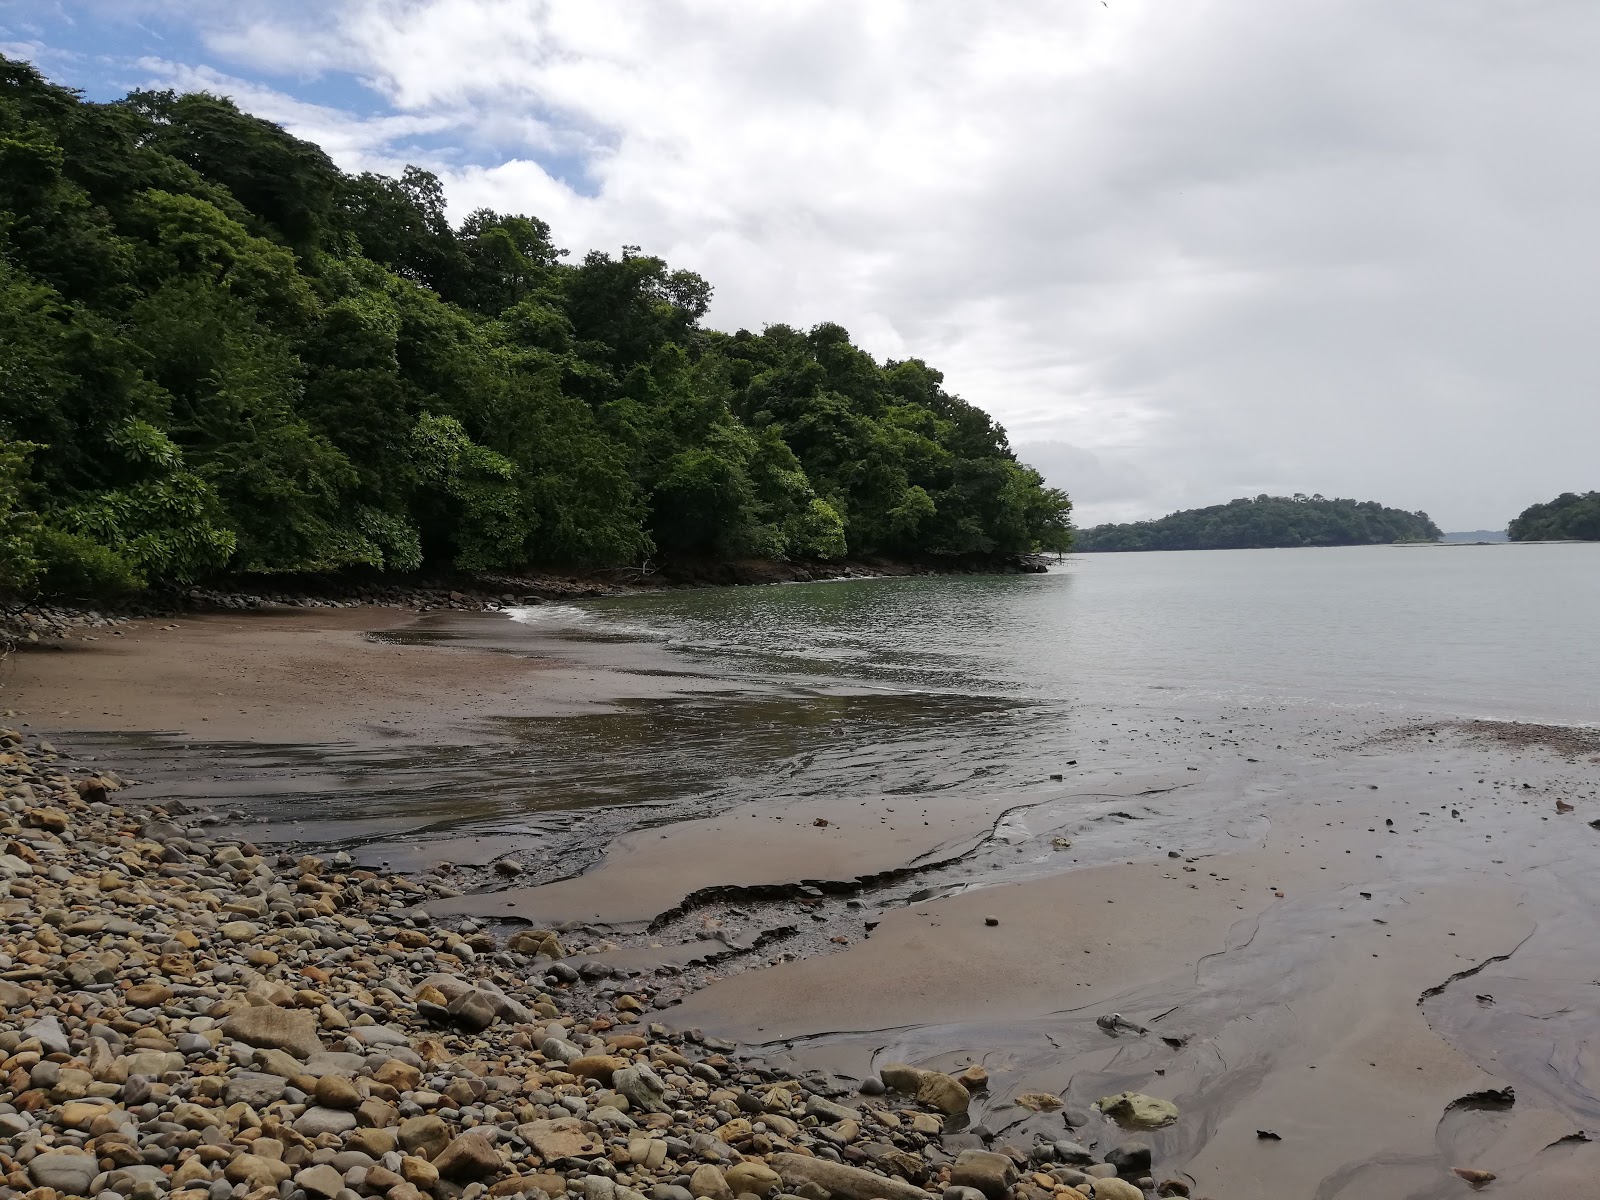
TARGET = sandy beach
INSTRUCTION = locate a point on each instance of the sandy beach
(1303, 928)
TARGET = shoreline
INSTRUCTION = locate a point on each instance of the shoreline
(329, 1039)
(1204, 942)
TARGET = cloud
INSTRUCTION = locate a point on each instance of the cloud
(1186, 252)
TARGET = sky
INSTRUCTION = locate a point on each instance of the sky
(1184, 251)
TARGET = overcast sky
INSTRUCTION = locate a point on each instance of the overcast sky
(1185, 251)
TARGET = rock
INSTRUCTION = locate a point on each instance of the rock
(474, 1011)
(1135, 1110)
(992, 1174)
(1474, 1175)
(563, 1137)
(559, 1050)
(1131, 1159)
(70, 1174)
(290, 1029)
(1072, 1153)
(940, 1091)
(850, 1183)
(50, 1034)
(419, 1172)
(253, 1088)
(335, 1091)
(642, 1087)
(316, 1121)
(403, 1077)
(754, 1178)
(377, 1035)
(596, 1066)
(1113, 1188)
(974, 1078)
(147, 995)
(373, 1141)
(708, 1183)
(901, 1077)
(468, 1156)
(320, 1180)
(426, 1135)
(256, 1171)
(957, 1192)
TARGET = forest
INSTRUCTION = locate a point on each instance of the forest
(1266, 521)
(221, 354)
(1568, 516)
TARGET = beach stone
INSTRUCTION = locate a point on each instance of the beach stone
(321, 1180)
(901, 1077)
(147, 995)
(377, 1035)
(1113, 1188)
(418, 1171)
(316, 1121)
(643, 1088)
(1137, 1111)
(254, 1088)
(279, 1063)
(958, 1192)
(427, 1134)
(708, 1183)
(562, 1137)
(335, 1091)
(1072, 1153)
(70, 1174)
(837, 1179)
(50, 1034)
(256, 1171)
(940, 1091)
(1130, 1158)
(670, 1191)
(988, 1172)
(596, 1066)
(401, 1076)
(293, 1030)
(373, 1141)
(560, 1050)
(753, 1178)
(468, 1156)
(474, 1011)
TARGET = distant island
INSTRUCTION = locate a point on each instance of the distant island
(1266, 522)
(1468, 537)
(1568, 516)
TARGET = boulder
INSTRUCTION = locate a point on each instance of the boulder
(596, 1066)
(316, 1121)
(256, 1171)
(642, 1087)
(708, 1183)
(254, 1088)
(290, 1029)
(1135, 1110)
(988, 1172)
(563, 1137)
(1131, 1159)
(425, 1135)
(469, 1156)
(320, 1180)
(1113, 1188)
(69, 1174)
(940, 1091)
(754, 1178)
(849, 1183)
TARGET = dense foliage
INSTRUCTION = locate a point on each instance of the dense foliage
(1569, 515)
(1266, 521)
(218, 352)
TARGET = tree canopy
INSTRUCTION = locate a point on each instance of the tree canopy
(219, 353)
(1568, 516)
(1266, 521)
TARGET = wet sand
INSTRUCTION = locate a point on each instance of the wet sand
(645, 874)
(1319, 965)
(307, 676)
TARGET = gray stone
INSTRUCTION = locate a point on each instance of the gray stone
(642, 1087)
(316, 1121)
(50, 1034)
(988, 1172)
(851, 1183)
(1130, 1158)
(290, 1029)
(68, 1173)
(254, 1088)
(377, 1035)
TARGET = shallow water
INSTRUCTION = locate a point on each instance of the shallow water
(1127, 705)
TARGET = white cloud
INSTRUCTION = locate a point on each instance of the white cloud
(1219, 248)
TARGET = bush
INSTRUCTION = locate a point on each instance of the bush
(80, 567)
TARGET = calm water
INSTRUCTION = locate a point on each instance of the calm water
(1497, 631)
